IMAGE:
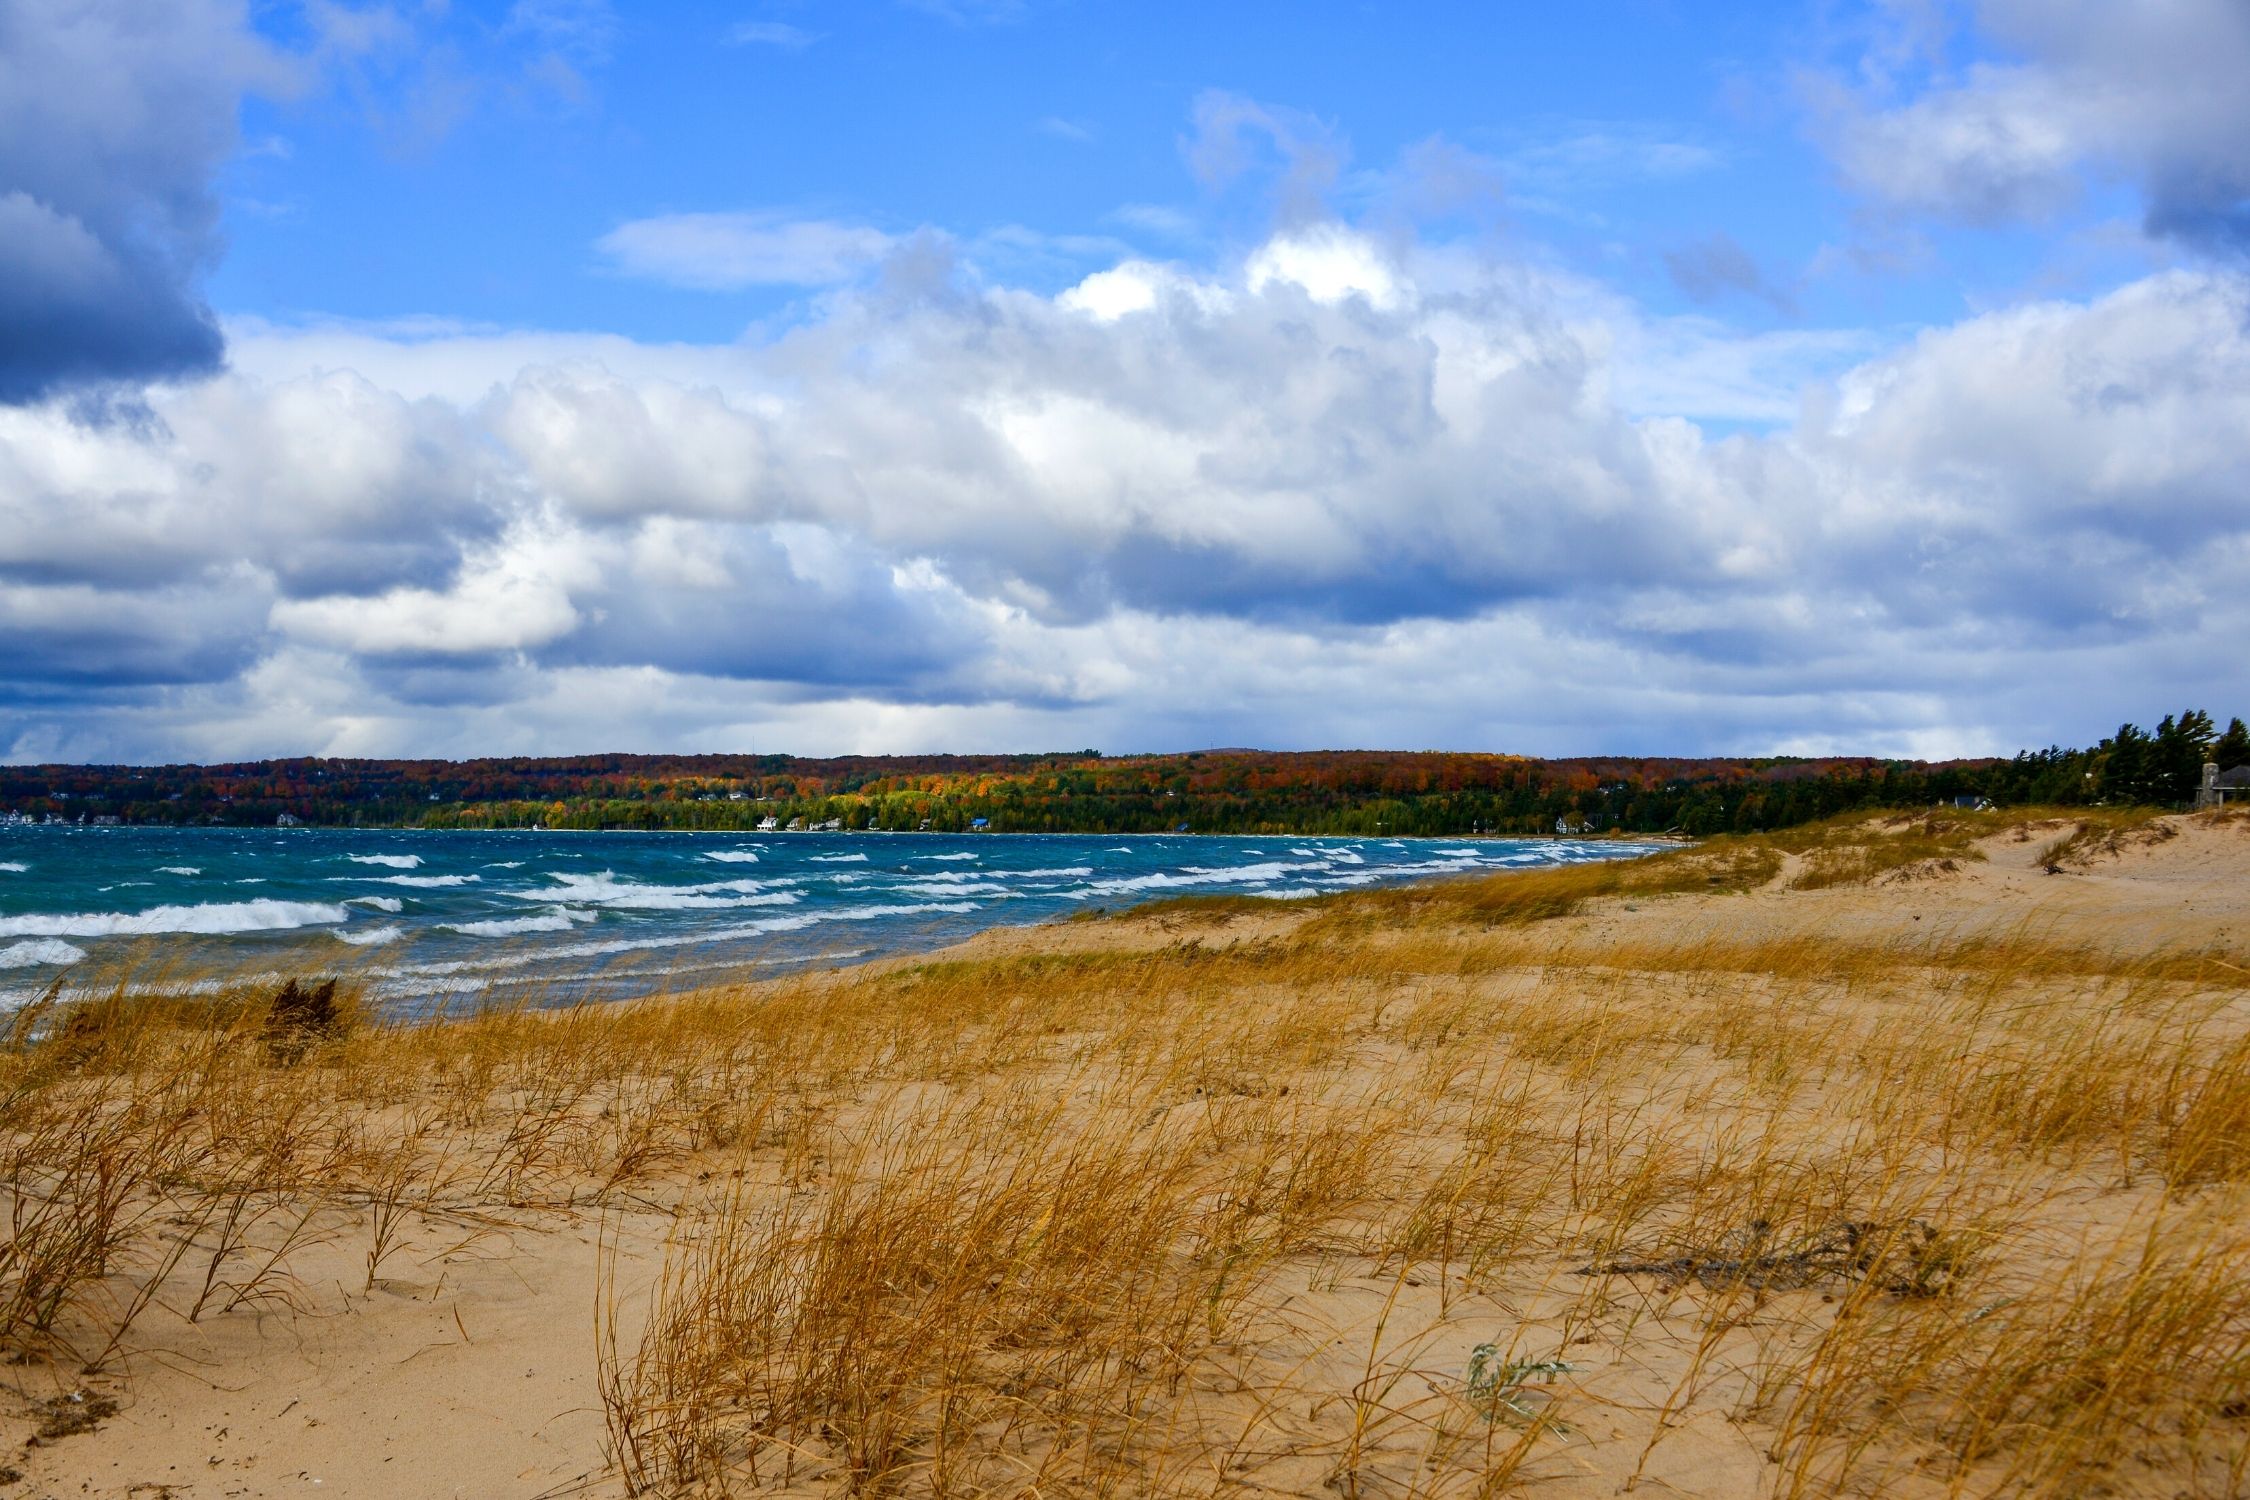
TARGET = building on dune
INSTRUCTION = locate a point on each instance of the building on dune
(2219, 787)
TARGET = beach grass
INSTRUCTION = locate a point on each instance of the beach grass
(1458, 1189)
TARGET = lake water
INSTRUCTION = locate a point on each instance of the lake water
(429, 917)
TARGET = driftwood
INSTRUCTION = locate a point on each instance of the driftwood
(1916, 1263)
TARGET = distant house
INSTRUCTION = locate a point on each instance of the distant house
(1972, 802)
(977, 823)
(2219, 786)
(288, 820)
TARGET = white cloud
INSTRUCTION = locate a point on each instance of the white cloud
(2150, 91)
(1337, 482)
(730, 251)
(514, 597)
(1328, 263)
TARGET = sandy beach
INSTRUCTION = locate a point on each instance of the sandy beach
(1900, 1158)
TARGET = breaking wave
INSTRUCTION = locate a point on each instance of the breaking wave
(39, 951)
(211, 918)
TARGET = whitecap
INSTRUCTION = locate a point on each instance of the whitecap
(505, 864)
(839, 859)
(39, 951)
(763, 927)
(559, 920)
(13, 867)
(211, 918)
(179, 869)
(389, 861)
(1071, 872)
(603, 888)
(428, 882)
(372, 937)
(732, 857)
(1264, 874)
(955, 888)
(947, 856)
(390, 904)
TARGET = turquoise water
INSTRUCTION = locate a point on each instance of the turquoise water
(429, 917)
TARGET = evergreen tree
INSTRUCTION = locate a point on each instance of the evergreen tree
(2232, 748)
(2176, 755)
(2125, 765)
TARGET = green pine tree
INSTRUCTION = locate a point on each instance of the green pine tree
(2232, 748)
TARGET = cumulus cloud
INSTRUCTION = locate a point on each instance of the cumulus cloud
(1337, 481)
(729, 251)
(112, 121)
(2149, 91)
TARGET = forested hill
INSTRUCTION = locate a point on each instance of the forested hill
(1214, 791)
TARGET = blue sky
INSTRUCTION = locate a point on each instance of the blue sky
(548, 376)
(471, 171)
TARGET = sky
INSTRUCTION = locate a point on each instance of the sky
(438, 378)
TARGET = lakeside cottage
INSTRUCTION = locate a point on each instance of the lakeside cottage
(2220, 785)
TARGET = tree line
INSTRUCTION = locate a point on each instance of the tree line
(1355, 793)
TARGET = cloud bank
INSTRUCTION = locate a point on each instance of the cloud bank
(1341, 491)
(1349, 482)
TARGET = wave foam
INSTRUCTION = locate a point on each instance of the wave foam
(732, 857)
(954, 888)
(372, 937)
(948, 856)
(39, 951)
(763, 927)
(390, 904)
(390, 861)
(603, 888)
(428, 882)
(1264, 874)
(13, 867)
(560, 920)
(210, 919)
(839, 859)
(179, 869)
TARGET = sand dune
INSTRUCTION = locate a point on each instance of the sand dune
(1722, 1181)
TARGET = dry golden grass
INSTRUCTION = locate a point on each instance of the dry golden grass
(1414, 1193)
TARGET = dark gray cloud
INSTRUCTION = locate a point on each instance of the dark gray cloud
(113, 119)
